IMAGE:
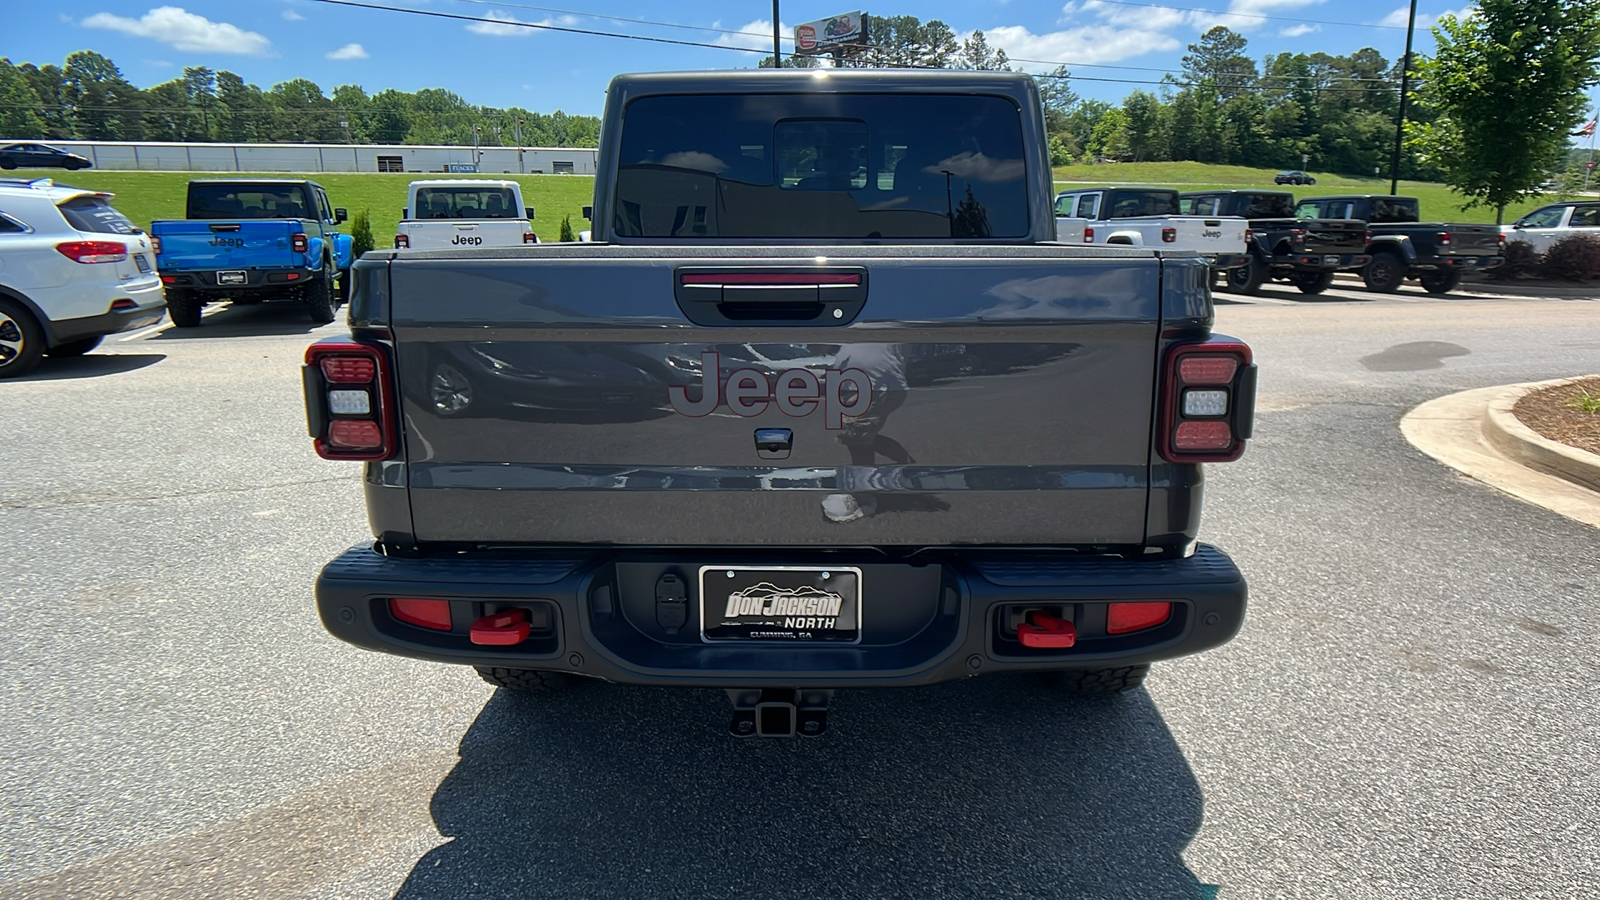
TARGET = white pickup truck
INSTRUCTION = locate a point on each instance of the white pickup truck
(450, 213)
(1546, 225)
(1148, 217)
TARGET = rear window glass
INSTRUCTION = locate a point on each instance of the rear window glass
(94, 214)
(1270, 206)
(1129, 204)
(466, 203)
(249, 201)
(821, 166)
(1400, 209)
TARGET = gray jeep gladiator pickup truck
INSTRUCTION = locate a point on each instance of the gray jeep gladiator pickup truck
(824, 405)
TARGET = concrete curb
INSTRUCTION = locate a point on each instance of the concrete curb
(1452, 430)
(1506, 433)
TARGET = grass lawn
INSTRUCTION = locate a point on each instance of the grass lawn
(147, 196)
(1439, 203)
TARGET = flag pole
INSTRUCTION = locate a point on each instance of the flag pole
(1588, 171)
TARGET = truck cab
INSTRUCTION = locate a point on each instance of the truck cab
(455, 213)
(250, 240)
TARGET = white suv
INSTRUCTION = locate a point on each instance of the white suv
(72, 270)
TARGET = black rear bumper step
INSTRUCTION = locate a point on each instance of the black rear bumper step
(942, 618)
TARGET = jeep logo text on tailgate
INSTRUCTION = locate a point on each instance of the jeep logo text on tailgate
(797, 392)
(226, 242)
(467, 239)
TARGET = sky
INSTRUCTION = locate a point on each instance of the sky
(1111, 46)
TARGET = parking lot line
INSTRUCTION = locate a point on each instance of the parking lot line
(157, 329)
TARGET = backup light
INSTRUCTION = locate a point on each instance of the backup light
(359, 403)
(1199, 403)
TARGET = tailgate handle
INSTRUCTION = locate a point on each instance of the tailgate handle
(757, 295)
(224, 227)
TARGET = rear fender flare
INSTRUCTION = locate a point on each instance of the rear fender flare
(1394, 243)
(1132, 238)
(343, 250)
(314, 252)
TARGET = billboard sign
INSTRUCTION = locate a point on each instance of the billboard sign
(823, 35)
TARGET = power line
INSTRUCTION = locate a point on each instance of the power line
(1241, 15)
(594, 15)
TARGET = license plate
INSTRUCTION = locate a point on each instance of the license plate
(232, 278)
(141, 262)
(1331, 259)
(1467, 262)
(781, 604)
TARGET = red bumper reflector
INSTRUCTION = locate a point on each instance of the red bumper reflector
(124, 303)
(169, 279)
(502, 629)
(1122, 618)
(1207, 369)
(433, 614)
(348, 369)
(354, 434)
(1209, 435)
(1043, 630)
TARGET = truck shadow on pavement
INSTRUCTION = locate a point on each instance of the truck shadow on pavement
(91, 365)
(991, 787)
(255, 319)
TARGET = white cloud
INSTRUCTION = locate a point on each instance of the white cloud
(756, 35)
(293, 16)
(349, 51)
(1085, 45)
(1299, 30)
(1241, 15)
(1397, 18)
(186, 31)
(507, 25)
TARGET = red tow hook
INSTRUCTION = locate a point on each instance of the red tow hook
(502, 629)
(1044, 631)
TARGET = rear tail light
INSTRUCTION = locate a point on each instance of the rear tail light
(433, 614)
(1502, 237)
(1208, 404)
(1122, 618)
(402, 241)
(1249, 235)
(1169, 235)
(299, 243)
(1367, 237)
(90, 252)
(529, 237)
(1444, 238)
(1297, 235)
(1088, 235)
(155, 244)
(350, 408)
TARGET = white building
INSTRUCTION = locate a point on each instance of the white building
(177, 157)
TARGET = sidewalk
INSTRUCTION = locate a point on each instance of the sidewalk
(1476, 433)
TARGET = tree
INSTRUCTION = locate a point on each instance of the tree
(1220, 59)
(1055, 90)
(1507, 85)
(243, 113)
(977, 54)
(1142, 123)
(566, 230)
(303, 114)
(17, 104)
(104, 105)
(361, 239)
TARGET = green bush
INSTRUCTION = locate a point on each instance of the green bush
(1522, 261)
(1576, 258)
(566, 229)
(361, 234)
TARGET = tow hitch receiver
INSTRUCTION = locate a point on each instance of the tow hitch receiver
(778, 712)
(1043, 630)
(501, 629)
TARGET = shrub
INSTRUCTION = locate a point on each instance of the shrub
(360, 234)
(566, 229)
(1522, 261)
(1575, 258)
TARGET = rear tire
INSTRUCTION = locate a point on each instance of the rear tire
(1247, 279)
(1440, 282)
(7, 164)
(320, 299)
(75, 348)
(184, 308)
(1100, 681)
(1385, 273)
(21, 340)
(1313, 283)
(528, 681)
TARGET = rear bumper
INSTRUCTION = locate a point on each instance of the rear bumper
(150, 306)
(1464, 263)
(1228, 260)
(209, 280)
(939, 619)
(1322, 262)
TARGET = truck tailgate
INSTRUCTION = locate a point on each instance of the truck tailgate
(207, 245)
(444, 234)
(1205, 235)
(1472, 240)
(980, 395)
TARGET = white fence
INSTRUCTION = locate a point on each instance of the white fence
(164, 157)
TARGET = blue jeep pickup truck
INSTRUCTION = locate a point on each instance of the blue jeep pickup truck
(254, 240)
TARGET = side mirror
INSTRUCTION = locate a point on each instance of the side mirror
(340, 214)
(588, 213)
(528, 211)
(405, 212)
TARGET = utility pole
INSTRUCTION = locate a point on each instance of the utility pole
(1405, 90)
(777, 52)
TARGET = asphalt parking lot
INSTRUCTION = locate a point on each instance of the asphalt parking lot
(1410, 711)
